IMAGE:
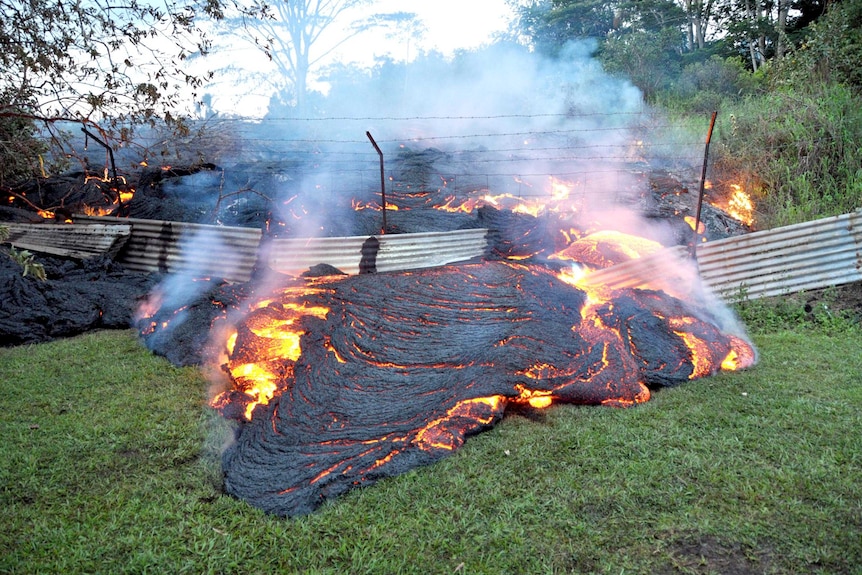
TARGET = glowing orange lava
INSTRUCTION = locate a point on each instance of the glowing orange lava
(274, 334)
(436, 434)
(607, 247)
(690, 221)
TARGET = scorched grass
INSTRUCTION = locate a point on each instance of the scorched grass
(109, 464)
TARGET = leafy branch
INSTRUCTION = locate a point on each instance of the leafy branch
(23, 258)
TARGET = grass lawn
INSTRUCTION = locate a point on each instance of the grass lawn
(109, 464)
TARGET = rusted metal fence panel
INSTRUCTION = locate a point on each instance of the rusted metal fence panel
(811, 255)
(80, 241)
(233, 253)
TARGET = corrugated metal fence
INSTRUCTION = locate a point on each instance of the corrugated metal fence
(817, 254)
(811, 255)
(233, 253)
(789, 259)
(201, 250)
(391, 252)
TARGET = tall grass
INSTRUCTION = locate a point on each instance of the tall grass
(801, 150)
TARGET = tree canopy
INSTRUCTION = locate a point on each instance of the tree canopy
(668, 34)
(665, 45)
(101, 64)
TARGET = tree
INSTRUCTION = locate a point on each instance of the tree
(769, 29)
(699, 15)
(548, 25)
(649, 59)
(832, 51)
(290, 35)
(101, 64)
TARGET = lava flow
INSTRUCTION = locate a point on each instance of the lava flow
(337, 381)
(357, 378)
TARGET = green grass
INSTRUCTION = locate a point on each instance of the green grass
(109, 464)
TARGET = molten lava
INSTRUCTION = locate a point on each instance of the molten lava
(339, 381)
(344, 380)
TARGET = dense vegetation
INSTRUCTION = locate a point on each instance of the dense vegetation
(784, 76)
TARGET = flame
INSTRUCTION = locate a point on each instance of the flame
(737, 203)
(740, 205)
(96, 211)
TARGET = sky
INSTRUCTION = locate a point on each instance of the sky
(447, 26)
(450, 25)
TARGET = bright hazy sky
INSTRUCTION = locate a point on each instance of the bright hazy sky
(448, 26)
(453, 24)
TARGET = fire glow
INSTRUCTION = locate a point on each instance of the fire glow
(737, 203)
(740, 205)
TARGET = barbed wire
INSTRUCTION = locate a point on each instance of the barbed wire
(567, 115)
(606, 147)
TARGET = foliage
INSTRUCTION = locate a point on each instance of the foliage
(26, 260)
(821, 312)
(704, 86)
(111, 464)
(108, 66)
(23, 258)
(20, 150)
(96, 60)
(802, 147)
(649, 59)
(832, 51)
(548, 25)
